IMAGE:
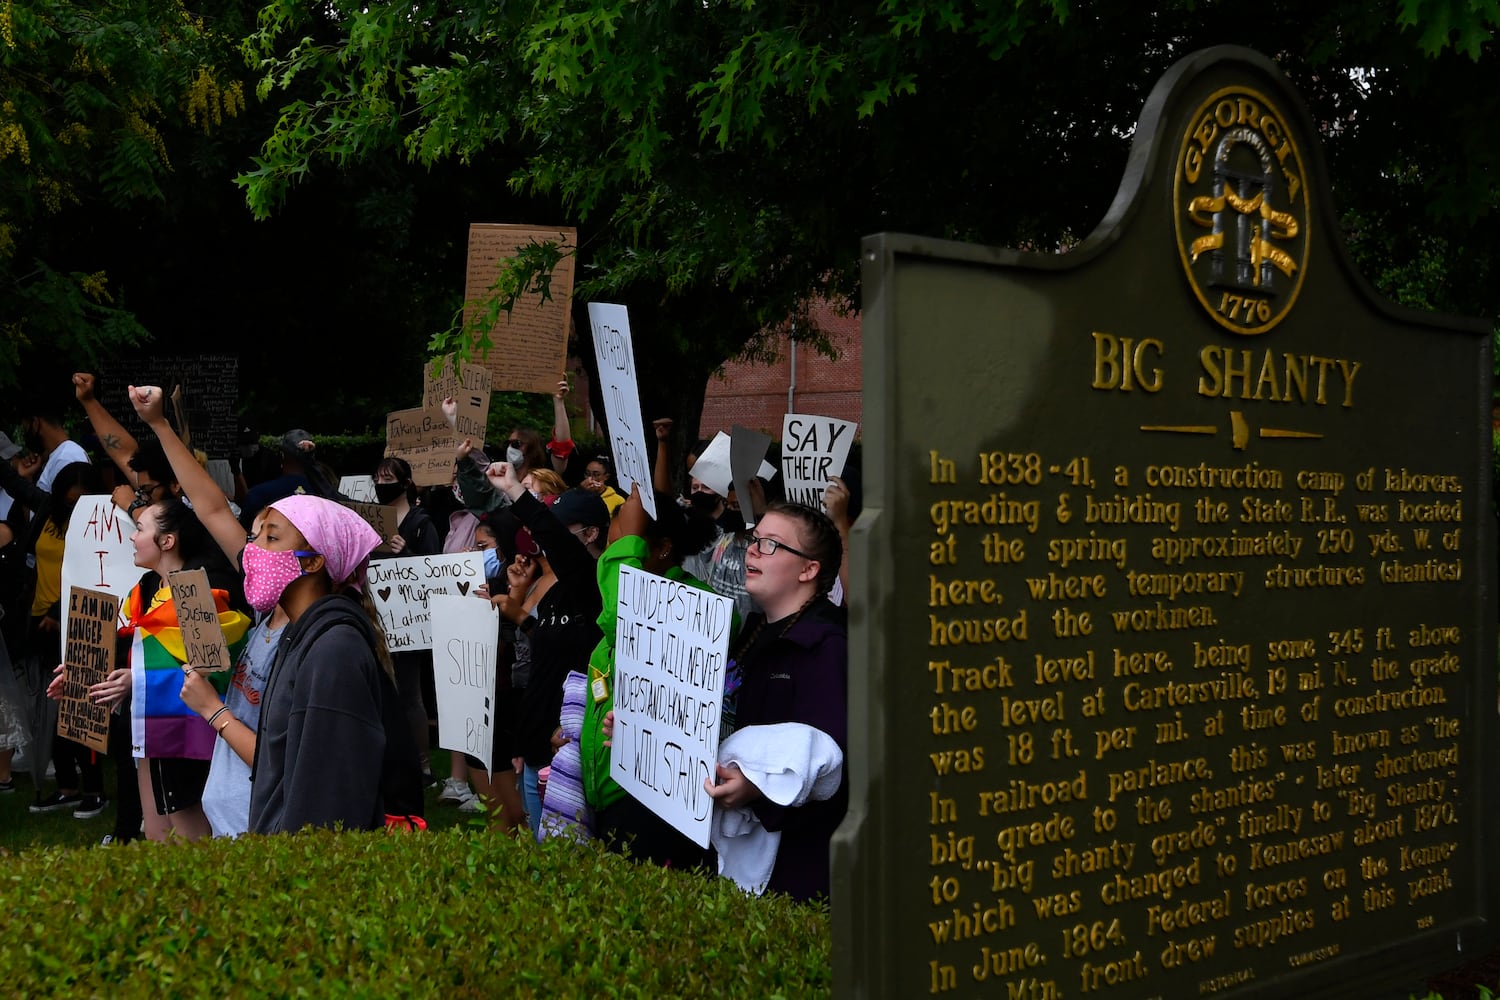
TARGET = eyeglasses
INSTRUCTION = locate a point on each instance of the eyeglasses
(768, 547)
(513, 443)
(145, 490)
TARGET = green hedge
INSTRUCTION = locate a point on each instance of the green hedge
(463, 913)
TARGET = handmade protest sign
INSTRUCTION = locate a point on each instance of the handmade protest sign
(423, 438)
(88, 657)
(671, 643)
(530, 342)
(469, 385)
(97, 552)
(203, 639)
(400, 589)
(360, 488)
(465, 648)
(622, 399)
(813, 451)
(747, 453)
(378, 516)
(210, 396)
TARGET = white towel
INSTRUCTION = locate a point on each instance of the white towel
(791, 764)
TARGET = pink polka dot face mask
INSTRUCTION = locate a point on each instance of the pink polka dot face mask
(268, 574)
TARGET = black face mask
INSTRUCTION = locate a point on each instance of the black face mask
(386, 492)
(730, 521)
(703, 502)
(32, 438)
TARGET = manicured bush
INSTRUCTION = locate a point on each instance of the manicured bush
(459, 913)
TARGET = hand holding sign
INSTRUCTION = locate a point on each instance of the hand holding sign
(203, 639)
(88, 658)
(814, 451)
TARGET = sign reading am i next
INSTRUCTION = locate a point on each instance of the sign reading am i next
(1174, 597)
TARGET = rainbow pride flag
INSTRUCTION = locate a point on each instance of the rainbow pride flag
(160, 724)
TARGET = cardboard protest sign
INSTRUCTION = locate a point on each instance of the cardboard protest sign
(465, 649)
(203, 639)
(671, 644)
(97, 552)
(360, 488)
(88, 658)
(747, 453)
(813, 451)
(378, 516)
(622, 400)
(468, 384)
(423, 438)
(400, 588)
(530, 343)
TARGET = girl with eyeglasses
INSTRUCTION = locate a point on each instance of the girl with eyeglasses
(790, 666)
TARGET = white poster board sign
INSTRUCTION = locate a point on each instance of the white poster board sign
(359, 488)
(671, 645)
(622, 400)
(98, 554)
(400, 588)
(813, 451)
(465, 647)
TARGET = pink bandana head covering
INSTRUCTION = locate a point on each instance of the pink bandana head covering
(335, 532)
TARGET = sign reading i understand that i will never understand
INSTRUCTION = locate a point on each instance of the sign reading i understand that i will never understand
(1172, 597)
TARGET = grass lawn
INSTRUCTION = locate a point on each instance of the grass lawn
(23, 830)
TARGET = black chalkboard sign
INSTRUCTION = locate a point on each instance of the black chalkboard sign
(210, 387)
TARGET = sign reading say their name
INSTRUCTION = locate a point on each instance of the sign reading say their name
(622, 399)
(88, 657)
(813, 451)
(400, 589)
(202, 636)
(97, 552)
(465, 647)
(671, 644)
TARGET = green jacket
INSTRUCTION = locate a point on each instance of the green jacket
(598, 787)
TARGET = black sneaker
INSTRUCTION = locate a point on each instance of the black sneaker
(91, 806)
(56, 801)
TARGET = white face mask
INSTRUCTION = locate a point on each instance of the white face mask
(515, 456)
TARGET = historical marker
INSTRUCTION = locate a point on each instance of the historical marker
(1173, 602)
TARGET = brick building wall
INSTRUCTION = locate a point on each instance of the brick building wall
(753, 394)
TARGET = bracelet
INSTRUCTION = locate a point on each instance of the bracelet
(220, 729)
(221, 711)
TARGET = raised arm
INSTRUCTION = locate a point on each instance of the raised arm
(661, 476)
(560, 448)
(209, 502)
(114, 438)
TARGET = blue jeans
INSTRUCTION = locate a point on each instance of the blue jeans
(532, 795)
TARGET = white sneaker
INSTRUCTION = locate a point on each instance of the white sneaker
(455, 790)
(471, 805)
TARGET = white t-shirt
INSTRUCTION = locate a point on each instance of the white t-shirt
(64, 454)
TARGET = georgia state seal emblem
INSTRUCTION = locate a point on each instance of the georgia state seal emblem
(1240, 204)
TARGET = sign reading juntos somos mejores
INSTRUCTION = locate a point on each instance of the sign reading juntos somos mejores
(1241, 210)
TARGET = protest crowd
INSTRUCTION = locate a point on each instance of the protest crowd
(262, 675)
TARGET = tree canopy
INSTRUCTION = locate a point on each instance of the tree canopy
(721, 160)
(88, 93)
